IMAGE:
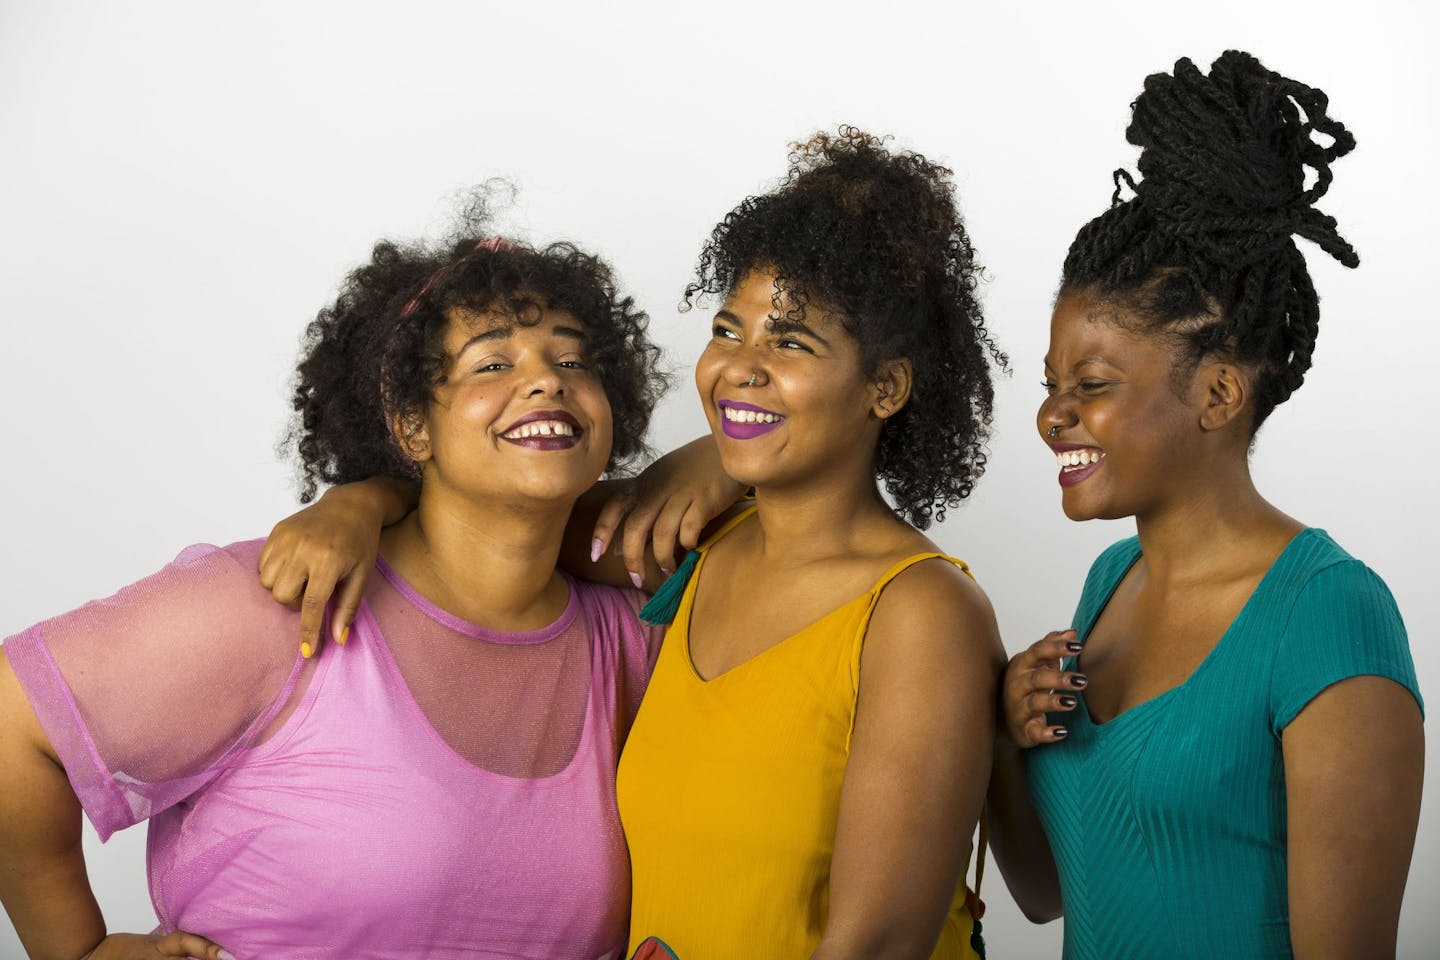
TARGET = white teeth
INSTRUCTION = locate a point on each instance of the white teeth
(1069, 459)
(736, 415)
(541, 428)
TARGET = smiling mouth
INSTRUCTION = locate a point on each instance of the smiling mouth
(549, 430)
(744, 421)
(1078, 463)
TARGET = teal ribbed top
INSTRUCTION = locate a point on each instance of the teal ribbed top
(1168, 822)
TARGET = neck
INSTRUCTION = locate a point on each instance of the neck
(491, 563)
(1215, 525)
(837, 513)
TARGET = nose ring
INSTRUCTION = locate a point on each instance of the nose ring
(751, 381)
(1055, 431)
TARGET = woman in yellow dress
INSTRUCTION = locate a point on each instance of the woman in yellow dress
(809, 763)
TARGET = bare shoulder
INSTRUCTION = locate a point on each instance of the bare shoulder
(934, 609)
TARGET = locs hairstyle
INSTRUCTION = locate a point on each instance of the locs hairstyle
(872, 237)
(1205, 251)
(377, 349)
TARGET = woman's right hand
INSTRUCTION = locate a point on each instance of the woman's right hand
(1034, 685)
(135, 946)
(331, 543)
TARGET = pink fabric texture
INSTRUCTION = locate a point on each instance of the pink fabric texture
(432, 789)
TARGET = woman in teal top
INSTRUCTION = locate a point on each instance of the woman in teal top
(1225, 754)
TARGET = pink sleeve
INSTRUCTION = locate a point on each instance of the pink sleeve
(147, 695)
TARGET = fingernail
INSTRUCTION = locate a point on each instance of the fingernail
(306, 650)
(1079, 680)
(1068, 702)
(1062, 732)
(597, 547)
(226, 955)
(1073, 647)
(344, 635)
(666, 570)
(636, 579)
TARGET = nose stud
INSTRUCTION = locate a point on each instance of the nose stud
(1055, 431)
(751, 381)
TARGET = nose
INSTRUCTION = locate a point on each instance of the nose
(746, 368)
(542, 379)
(1055, 415)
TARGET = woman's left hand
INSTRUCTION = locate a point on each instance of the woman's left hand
(667, 506)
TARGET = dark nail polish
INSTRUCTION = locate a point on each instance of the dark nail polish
(1061, 732)
(1068, 702)
(1078, 681)
(1073, 647)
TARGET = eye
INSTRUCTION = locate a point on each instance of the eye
(1049, 385)
(493, 366)
(1091, 386)
(574, 364)
(790, 343)
(722, 332)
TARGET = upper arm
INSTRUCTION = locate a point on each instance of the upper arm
(1354, 761)
(919, 762)
(142, 694)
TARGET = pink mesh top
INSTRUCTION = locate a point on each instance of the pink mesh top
(432, 789)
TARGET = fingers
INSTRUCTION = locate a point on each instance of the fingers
(636, 535)
(181, 944)
(608, 521)
(312, 611)
(1035, 687)
(347, 602)
(666, 532)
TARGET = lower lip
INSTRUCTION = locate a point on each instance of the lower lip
(736, 430)
(544, 443)
(1068, 478)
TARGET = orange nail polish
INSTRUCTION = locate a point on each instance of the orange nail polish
(344, 635)
(306, 650)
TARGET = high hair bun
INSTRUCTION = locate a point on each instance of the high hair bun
(1205, 248)
(1224, 157)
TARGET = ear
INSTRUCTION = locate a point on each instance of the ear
(892, 385)
(1225, 395)
(412, 433)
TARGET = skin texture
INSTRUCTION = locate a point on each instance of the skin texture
(1353, 757)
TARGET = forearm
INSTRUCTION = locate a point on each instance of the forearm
(387, 499)
(43, 883)
(1022, 851)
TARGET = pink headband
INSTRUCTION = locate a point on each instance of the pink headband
(495, 244)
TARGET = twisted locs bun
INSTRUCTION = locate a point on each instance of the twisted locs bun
(1205, 249)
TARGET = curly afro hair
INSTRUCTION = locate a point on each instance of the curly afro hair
(1205, 251)
(377, 349)
(873, 238)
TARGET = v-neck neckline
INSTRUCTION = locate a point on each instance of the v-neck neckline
(1144, 705)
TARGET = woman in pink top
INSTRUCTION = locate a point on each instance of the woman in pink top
(456, 765)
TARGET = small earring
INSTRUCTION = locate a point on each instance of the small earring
(1055, 431)
(751, 381)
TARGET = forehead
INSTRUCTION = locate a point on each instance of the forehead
(465, 324)
(1082, 329)
(752, 301)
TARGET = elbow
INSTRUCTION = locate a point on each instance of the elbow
(1041, 912)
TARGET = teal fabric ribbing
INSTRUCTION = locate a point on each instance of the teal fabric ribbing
(1168, 822)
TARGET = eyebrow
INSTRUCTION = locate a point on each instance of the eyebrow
(504, 332)
(778, 325)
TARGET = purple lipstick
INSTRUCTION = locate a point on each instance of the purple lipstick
(745, 421)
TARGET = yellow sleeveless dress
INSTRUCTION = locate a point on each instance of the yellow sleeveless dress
(729, 789)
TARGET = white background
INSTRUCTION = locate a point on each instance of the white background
(182, 185)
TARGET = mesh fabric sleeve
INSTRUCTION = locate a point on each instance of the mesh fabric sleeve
(1344, 624)
(148, 694)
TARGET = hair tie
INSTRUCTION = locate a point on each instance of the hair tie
(495, 244)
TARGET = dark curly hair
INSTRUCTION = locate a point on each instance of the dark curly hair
(1204, 251)
(378, 348)
(874, 238)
